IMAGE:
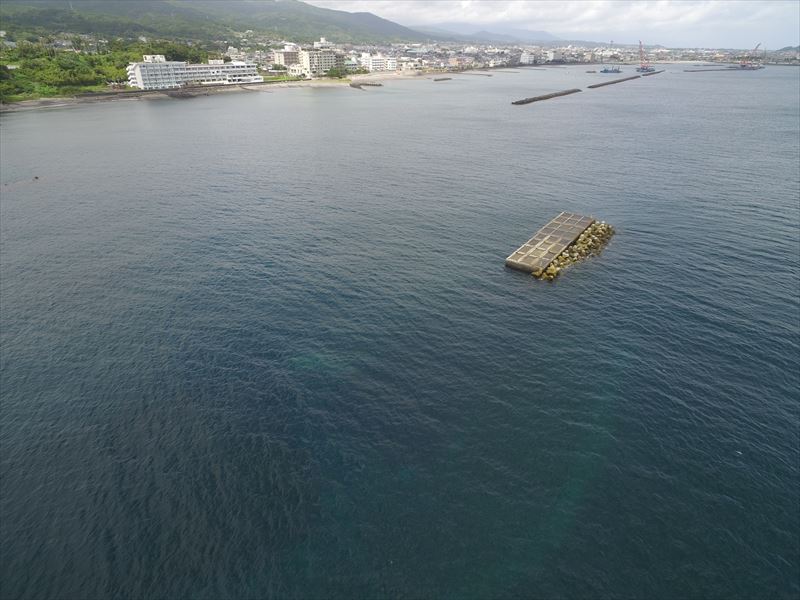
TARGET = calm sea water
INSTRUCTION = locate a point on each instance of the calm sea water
(264, 344)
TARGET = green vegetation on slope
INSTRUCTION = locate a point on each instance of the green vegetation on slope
(44, 72)
(205, 20)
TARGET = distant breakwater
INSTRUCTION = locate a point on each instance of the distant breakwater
(612, 82)
(575, 90)
(546, 96)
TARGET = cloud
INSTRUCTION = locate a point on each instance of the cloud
(711, 23)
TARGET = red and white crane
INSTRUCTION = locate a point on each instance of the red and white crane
(644, 66)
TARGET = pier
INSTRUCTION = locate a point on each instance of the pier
(612, 82)
(546, 96)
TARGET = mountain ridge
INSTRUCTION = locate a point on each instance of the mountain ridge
(201, 19)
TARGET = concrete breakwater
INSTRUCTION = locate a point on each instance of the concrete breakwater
(653, 73)
(589, 243)
(597, 85)
(565, 240)
(535, 255)
(360, 84)
(709, 70)
(546, 96)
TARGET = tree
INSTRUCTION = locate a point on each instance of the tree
(337, 72)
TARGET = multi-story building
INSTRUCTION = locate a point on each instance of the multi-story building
(319, 62)
(290, 55)
(378, 62)
(157, 73)
(220, 72)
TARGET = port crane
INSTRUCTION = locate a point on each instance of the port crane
(747, 61)
(644, 66)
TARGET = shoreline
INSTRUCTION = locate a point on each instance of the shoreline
(267, 86)
(130, 95)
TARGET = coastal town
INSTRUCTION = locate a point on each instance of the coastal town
(253, 58)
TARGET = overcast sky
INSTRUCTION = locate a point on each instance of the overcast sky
(675, 23)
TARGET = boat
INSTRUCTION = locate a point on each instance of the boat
(591, 71)
(609, 68)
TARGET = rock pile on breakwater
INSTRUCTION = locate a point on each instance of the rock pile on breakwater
(590, 243)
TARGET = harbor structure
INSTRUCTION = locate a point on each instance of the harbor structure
(155, 72)
(535, 255)
(644, 64)
(545, 96)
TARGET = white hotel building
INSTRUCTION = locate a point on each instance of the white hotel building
(378, 62)
(158, 73)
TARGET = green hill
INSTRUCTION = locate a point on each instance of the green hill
(203, 20)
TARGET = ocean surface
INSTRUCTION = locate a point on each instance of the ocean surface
(264, 344)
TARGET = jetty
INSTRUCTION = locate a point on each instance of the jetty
(546, 96)
(653, 73)
(612, 82)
